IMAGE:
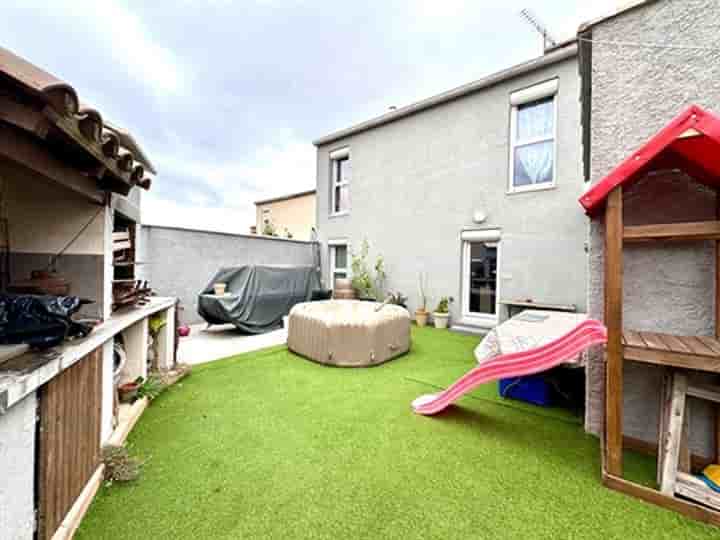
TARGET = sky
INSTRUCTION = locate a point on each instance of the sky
(226, 97)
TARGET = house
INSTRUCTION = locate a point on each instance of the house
(449, 186)
(476, 188)
(289, 216)
(641, 71)
(69, 218)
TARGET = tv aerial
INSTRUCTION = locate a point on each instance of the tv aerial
(548, 40)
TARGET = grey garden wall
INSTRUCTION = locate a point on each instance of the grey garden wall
(416, 183)
(635, 92)
(182, 261)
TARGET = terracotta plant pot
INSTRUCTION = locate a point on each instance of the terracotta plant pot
(128, 392)
(441, 319)
(219, 288)
(421, 317)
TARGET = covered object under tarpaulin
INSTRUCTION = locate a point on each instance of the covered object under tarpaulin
(258, 296)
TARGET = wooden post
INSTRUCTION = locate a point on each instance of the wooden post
(613, 321)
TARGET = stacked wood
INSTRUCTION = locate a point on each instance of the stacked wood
(122, 244)
(130, 293)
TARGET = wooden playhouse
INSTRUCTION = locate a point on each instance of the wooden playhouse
(688, 148)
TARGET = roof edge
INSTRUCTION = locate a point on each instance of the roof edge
(693, 116)
(629, 6)
(287, 197)
(563, 52)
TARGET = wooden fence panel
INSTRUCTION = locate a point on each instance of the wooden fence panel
(69, 439)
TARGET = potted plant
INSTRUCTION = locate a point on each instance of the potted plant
(421, 313)
(367, 285)
(128, 391)
(442, 312)
(397, 299)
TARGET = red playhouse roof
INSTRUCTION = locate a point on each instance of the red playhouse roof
(690, 142)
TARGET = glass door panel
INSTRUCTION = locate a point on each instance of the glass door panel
(481, 278)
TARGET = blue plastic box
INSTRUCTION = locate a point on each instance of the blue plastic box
(531, 389)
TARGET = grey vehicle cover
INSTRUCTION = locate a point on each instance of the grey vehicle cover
(257, 296)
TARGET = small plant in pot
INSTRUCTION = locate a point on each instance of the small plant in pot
(421, 313)
(442, 312)
(128, 392)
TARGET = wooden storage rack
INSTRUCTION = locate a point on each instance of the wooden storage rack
(676, 354)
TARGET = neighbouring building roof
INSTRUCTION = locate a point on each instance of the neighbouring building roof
(286, 197)
(59, 105)
(561, 52)
(690, 142)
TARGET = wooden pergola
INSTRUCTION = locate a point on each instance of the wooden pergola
(691, 144)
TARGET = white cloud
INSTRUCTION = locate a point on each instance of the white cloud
(273, 170)
(585, 12)
(157, 211)
(128, 41)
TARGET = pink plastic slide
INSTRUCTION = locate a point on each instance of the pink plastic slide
(586, 334)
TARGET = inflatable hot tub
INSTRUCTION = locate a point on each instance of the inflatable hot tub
(349, 333)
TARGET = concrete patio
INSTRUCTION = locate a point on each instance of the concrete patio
(208, 344)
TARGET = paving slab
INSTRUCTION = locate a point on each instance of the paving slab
(221, 341)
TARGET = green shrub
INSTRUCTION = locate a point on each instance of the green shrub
(120, 466)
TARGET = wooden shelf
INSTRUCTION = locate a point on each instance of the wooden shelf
(689, 352)
(696, 230)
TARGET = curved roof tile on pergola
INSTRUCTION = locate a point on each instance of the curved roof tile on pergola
(107, 141)
(690, 142)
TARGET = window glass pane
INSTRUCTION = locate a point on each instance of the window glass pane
(533, 164)
(336, 199)
(342, 170)
(340, 257)
(535, 120)
(342, 198)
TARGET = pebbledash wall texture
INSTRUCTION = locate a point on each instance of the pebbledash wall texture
(636, 90)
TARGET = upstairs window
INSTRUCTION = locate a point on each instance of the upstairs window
(340, 173)
(532, 138)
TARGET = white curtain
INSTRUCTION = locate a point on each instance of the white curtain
(534, 160)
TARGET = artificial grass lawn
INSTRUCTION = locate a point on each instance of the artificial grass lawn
(268, 445)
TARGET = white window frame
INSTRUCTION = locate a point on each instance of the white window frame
(490, 237)
(538, 92)
(335, 157)
(333, 245)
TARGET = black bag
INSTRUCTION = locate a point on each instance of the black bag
(39, 321)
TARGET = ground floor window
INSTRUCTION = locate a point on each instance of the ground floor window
(338, 262)
(480, 269)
